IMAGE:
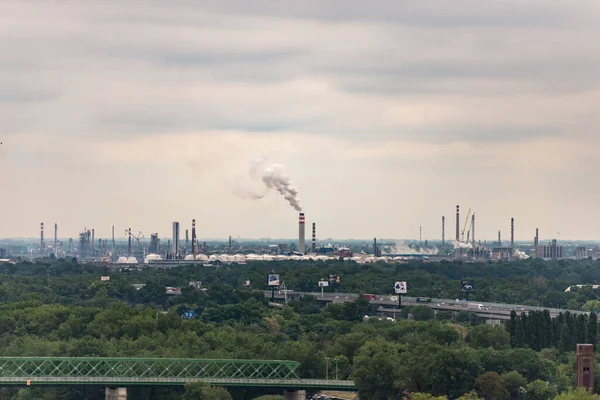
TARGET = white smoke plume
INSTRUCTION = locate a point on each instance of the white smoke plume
(401, 247)
(273, 177)
(520, 255)
(460, 245)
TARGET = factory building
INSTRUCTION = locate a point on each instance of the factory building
(551, 251)
(154, 243)
(328, 250)
(345, 252)
(84, 243)
(502, 252)
(581, 253)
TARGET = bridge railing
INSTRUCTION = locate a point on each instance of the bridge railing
(65, 367)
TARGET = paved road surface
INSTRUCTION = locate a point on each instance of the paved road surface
(387, 302)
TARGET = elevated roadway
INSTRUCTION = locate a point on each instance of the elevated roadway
(389, 304)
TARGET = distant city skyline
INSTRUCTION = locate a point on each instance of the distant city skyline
(385, 116)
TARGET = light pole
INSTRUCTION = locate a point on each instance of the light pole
(336, 367)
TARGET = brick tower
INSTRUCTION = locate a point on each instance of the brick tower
(585, 366)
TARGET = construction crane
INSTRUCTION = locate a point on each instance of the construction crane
(462, 234)
(137, 237)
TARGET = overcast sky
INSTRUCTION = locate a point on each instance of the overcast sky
(386, 115)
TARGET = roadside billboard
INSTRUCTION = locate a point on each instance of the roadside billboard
(400, 288)
(273, 280)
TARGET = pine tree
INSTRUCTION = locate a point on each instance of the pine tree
(519, 333)
(547, 329)
(512, 325)
(592, 329)
(556, 327)
(581, 328)
(526, 330)
(565, 339)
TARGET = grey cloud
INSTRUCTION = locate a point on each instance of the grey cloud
(430, 14)
(566, 75)
(141, 122)
(442, 52)
(202, 57)
(24, 95)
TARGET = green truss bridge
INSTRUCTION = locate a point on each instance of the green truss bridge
(157, 371)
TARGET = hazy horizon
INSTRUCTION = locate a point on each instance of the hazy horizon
(385, 116)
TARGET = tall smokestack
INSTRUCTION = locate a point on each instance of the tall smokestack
(443, 234)
(375, 250)
(420, 235)
(499, 240)
(93, 239)
(473, 229)
(457, 223)
(194, 238)
(42, 236)
(129, 244)
(175, 242)
(187, 240)
(313, 247)
(114, 250)
(301, 233)
(512, 235)
(230, 244)
(55, 238)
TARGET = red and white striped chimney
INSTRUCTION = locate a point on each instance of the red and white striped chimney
(301, 233)
(314, 238)
(42, 235)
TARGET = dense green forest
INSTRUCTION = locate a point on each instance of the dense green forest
(61, 308)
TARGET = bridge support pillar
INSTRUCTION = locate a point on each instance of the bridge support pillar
(119, 393)
(294, 394)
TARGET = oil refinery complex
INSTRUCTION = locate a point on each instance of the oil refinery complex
(179, 249)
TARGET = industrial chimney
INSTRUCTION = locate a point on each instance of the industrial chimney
(42, 236)
(187, 240)
(512, 235)
(301, 233)
(175, 242)
(375, 250)
(114, 250)
(129, 243)
(55, 238)
(313, 247)
(473, 229)
(457, 223)
(443, 234)
(194, 238)
(499, 240)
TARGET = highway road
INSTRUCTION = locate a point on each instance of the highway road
(389, 303)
